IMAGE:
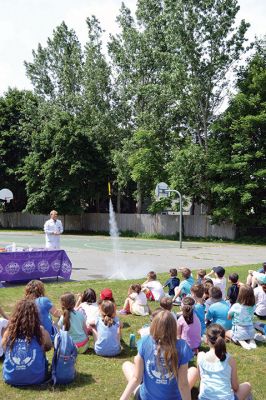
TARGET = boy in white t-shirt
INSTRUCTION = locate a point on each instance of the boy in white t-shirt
(152, 288)
(219, 279)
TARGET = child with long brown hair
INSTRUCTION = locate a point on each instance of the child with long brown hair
(188, 324)
(108, 331)
(217, 370)
(25, 342)
(74, 322)
(161, 364)
(241, 313)
(35, 291)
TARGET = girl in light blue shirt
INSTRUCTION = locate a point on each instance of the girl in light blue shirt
(107, 333)
(241, 313)
(217, 370)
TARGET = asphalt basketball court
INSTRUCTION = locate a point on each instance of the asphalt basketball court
(97, 257)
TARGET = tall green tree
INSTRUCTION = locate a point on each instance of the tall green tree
(18, 122)
(56, 70)
(61, 166)
(238, 162)
(142, 99)
(206, 43)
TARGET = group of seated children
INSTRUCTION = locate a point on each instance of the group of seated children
(166, 346)
(29, 332)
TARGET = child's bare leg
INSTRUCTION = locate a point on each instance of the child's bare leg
(243, 391)
(95, 334)
(128, 369)
(126, 305)
(192, 376)
(254, 282)
(249, 279)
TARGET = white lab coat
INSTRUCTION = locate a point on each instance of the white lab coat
(51, 226)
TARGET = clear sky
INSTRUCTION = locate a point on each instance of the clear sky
(25, 23)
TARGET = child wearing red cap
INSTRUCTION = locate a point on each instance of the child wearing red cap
(107, 294)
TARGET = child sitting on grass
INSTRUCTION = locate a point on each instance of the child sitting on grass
(167, 304)
(233, 290)
(260, 298)
(217, 370)
(87, 304)
(172, 282)
(74, 322)
(219, 279)
(188, 324)
(136, 302)
(218, 310)
(197, 292)
(3, 325)
(152, 288)
(241, 314)
(107, 331)
(206, 297)
(184, 288)
(201, 273)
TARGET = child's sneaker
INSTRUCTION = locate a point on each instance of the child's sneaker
(244, 344)
(260, 338)
(177, 302)
(122, 312)
(252, 344)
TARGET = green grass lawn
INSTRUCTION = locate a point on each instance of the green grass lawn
(101, 378)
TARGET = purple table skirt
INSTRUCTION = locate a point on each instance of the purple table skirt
(27, 265)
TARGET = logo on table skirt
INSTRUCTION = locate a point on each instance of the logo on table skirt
(66, 266)
(12, 268)
(43, 266)
(28, 267)
(1, 268)
(56, 265)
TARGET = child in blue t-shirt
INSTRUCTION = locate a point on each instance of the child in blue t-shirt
(159, 375)
(218, 310)
(184, 288)
(172, 282)
(35, 291)
(197, 292)
(107, 331)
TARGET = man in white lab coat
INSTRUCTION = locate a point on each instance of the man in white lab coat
(53, 229)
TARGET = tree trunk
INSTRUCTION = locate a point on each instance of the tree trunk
(139, 199)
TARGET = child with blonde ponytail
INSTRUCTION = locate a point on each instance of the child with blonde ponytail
(74, 322)
(108, 330)
(217, 370)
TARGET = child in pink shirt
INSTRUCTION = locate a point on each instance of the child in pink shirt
(188, 324)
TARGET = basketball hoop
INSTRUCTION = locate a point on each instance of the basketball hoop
(162, 191)
(6, 195)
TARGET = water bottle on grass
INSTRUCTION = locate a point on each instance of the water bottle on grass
(132, 341)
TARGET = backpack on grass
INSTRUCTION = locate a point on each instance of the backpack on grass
(64, 359)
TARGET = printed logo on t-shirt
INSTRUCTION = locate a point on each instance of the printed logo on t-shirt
(22, 355)
(161, 375)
